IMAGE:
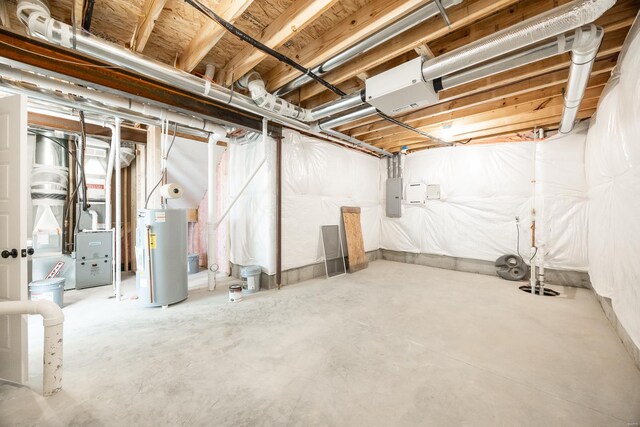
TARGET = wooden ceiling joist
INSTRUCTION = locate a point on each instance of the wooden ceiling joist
(146, 21)
(300, 14)
(527, 99)
(463, 124)
(210, 33)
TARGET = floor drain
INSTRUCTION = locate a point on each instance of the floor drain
(547, 291)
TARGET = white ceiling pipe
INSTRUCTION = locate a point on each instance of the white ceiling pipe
(115, 142)
(52, 319)
(535, 29)
(586, 45)
(212, 206)
(39, 23)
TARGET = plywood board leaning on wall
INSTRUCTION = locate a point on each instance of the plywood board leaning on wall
(356, 257)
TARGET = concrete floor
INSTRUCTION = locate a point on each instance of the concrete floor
(392, 345)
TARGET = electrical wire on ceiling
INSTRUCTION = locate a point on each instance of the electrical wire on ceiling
(198, 5)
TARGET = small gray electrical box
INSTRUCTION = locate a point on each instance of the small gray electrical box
(394, 197)
(433, 192)
(400, 89)
(93, 259)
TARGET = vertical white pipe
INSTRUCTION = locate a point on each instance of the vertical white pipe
(107, 184)
(541, 267)
(118, 226)
(532, 279)
(52, 319)
(212, 239)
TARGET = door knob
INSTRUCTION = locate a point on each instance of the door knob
(30, 251)
(13, 253)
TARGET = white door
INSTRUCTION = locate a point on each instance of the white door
(13, 234)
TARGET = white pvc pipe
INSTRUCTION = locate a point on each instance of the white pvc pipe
(107, 183)
(118, 226)
(52, 319)
(212, 234)
(541, 267)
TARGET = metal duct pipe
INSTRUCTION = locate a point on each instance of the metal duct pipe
(403, 24)
(106, 98)
(582, 57)
(52, 319)
(364, 111)
(39, 22)
(117, 237)
(338, 106)
(538, 28)
(253, 81)
(563, 43)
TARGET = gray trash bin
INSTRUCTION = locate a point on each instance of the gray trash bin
(193, 261)
(250, 278)
(49, 289)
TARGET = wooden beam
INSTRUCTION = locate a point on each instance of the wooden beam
(146, 21)
(462, 123)
(367, 20)
(4, 14)
(529, 116)
(210, 33)
(550, 123)
(293, 20)
(77, 12)
(529, 98)
(460, 15)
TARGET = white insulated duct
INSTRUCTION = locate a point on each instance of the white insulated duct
(52, 319)
(212, 241)
(536, 29)
(585, 48)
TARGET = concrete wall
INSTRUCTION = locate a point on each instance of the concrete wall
(553, 277)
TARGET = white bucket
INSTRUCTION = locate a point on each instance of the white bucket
(250, 278)
(235, 293)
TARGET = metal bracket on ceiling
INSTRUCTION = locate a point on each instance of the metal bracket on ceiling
(443, 13)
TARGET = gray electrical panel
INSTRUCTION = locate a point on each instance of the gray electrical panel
(93, 259)
(394, 197)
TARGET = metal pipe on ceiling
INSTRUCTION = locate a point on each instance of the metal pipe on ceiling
(533, 30)
(582, 58)
(338, 106)
(334, 122)
(37, 18)
(403, 24)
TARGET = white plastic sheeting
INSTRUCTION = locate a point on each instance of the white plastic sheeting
(613, 174)
(252, 219)
(186, 166)
(483, 189)
(317, 179)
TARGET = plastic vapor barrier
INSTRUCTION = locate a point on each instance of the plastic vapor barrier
(483, 189)
(252, 219)
(317, 179)
(613, 175)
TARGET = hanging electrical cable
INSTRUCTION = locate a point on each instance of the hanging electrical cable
(198, 5)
